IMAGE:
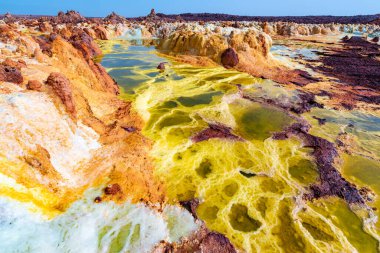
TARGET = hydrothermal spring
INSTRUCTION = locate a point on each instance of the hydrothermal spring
(250, 188)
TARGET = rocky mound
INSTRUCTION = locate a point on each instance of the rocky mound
(245, 51)
(70, 17)
(114, 18)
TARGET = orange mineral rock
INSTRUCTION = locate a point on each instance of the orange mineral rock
(61, 87)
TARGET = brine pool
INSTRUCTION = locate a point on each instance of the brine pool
(250, 189)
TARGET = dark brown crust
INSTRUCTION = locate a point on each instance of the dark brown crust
(331, 182)
(215, 131)
(355, 64)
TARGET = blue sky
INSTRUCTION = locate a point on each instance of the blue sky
(133, 8)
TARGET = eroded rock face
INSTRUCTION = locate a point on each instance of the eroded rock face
(109, 83)
(85, 44)
(61, 87)
(251, 52)
(192, 43)
(101, 33)
(76, 151)
(45, 44)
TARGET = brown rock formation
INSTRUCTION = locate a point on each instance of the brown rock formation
(202, 240)
(114, 18)
(10, 74)
(229, 58)
(14, 64)
(112, 189)
(251, 48)
(216, 243)
(93, 72)
(73, 17)
(85, 44)
(34, 85)
(45, 43)
(62, 88)
(215, 131)
(101, 32)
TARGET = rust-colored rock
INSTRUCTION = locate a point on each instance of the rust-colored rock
(355, 64)
(114, 18)
(215, 131)
(201, 241)
(14, 64)
(61, 87)
(229, 58)
(101, 33)
(34, 85)
(85, 44)
(45, 44)
(112, 189)
(216, 243)
(10, 74)
(72, 17)
(109, 84)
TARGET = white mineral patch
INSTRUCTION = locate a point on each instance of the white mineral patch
(10, 47)
(91, 228)
(30, 119)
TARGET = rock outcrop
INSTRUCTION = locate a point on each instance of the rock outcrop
(77, 110)
(247, 51)
(10, 72)
(34, 85)
(229, 58)
(85, 44)
(62, 88)
(71, 16)
(114, 18)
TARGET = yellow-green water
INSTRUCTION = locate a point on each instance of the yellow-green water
(250, 190)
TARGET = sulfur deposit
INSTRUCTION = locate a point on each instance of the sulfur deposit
(174, 134)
